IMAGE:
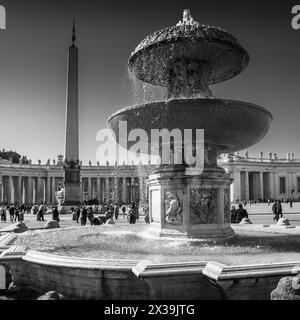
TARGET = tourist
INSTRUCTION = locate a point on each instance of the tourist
(124, 211)
(136, 212)
(90, 214)
(11, 211)
(3, 214)
(116, 212)
(17, 213)
(96, 222)
(233, 214)
(55, 213)
(77, 213)
(109, 213)
(21, 214)
(241, 214)
(147, 218)
(83, 216)
(73, 213)
(132, 214)
(40, 214)
(277, 210)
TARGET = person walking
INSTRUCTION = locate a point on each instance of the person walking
(84, 214)
(147, 218)
(275, 209)
(21, 213)
(279, 209)
(124, 212)
(11, 211)
(40, 214)
(90, 214)
(291, 203)
(77, 213)
(3, 214)
(116, 212)
(17, 213)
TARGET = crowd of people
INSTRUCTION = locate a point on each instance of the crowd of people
(99, 214)
(237, 215)
(268, 201)
(95, 214)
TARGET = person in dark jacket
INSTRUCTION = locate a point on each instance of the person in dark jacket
(55, 214)
(11, 212)
(241, 213)
(277, 210)
(77, 214)
(124, 211)
(233, 214)
(84, 214)
(116, 212)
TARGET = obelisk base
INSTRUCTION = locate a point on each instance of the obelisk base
(72, 187)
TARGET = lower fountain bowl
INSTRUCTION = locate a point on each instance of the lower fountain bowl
(228, 124)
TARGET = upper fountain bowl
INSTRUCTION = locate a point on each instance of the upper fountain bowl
(221, 52)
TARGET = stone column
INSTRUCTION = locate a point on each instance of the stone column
(1, 189)
(48, 187)
(246, 185)
(107, 189)
(271, 176)
(99, 189)
(261, 185)
(29, 190)
(53, 198)
(9, 188)
(39, 193)
(237, 186)
(116, 188)
(276, 186)
(18, 189)
(124, 190)
(89, 188)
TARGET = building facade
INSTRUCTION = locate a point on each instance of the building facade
(253, 179)
(36, 183)
(263, 178)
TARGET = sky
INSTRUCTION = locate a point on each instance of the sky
(33, 66)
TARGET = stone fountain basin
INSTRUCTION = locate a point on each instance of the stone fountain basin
(228, 124)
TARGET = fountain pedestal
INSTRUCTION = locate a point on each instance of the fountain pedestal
(195, 207)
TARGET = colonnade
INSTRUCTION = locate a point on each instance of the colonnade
(125, 189)
(255, 185)
(38, 189)
(20, 189)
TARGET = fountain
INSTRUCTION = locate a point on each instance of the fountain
(186, 59)
(85, 263)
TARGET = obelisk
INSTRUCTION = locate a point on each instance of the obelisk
(71, 165)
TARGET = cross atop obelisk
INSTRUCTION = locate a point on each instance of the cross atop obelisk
(72, 167)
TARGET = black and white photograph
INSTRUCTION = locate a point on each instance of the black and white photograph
(149, 152)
